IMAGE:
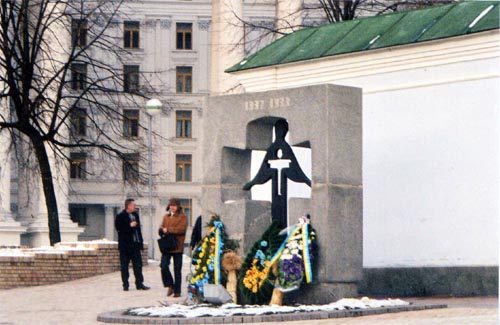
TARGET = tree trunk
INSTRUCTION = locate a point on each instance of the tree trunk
(48, 190)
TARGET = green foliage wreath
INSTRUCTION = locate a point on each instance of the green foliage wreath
(256, 279)
(203, 261)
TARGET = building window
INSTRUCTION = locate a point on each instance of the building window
(186, 208)
(184, 36)
(78, 122)
(78, 32)
(183, 124)
(78, 215)
(78, 165)
(130, 123)
(78, 75)
(183, 168)
(131, 167)
(130, 78)
(184, 77)
(131, 34)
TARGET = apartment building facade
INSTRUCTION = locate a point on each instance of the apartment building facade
(167, 46)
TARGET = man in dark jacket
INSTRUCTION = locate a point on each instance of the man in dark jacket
(130, 244)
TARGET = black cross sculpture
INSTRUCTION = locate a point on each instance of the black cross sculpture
(280, 164)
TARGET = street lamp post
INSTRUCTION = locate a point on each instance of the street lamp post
(153, 107)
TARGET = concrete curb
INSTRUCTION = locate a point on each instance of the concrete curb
(119, 316)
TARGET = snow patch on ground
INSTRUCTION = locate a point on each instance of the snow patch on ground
(178, 310)
(13, 252)
(59, 248)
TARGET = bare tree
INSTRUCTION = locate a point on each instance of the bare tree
(59, 58)
(342, 10)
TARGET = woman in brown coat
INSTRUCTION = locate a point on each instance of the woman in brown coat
(174, 222)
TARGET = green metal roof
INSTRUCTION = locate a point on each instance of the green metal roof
(375, 32)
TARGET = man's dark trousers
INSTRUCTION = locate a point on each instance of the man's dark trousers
(131, 254)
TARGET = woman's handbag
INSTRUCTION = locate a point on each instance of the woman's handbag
(167, 243)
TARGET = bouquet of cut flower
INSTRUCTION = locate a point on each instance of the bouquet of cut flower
(295, 261)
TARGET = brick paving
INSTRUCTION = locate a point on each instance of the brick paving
(80, 301)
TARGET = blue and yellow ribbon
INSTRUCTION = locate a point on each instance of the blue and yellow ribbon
(305, 253)
(278, 253)
(218, 240)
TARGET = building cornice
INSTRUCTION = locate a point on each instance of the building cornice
(336, 69)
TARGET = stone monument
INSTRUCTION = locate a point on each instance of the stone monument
(328, 120)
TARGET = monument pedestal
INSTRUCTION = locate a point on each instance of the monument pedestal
(321, 293)
(337, 216)
(37, 232)
(10, 230)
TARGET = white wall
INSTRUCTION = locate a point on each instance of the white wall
(430, 175)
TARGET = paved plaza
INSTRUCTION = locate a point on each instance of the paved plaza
(79, 302)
